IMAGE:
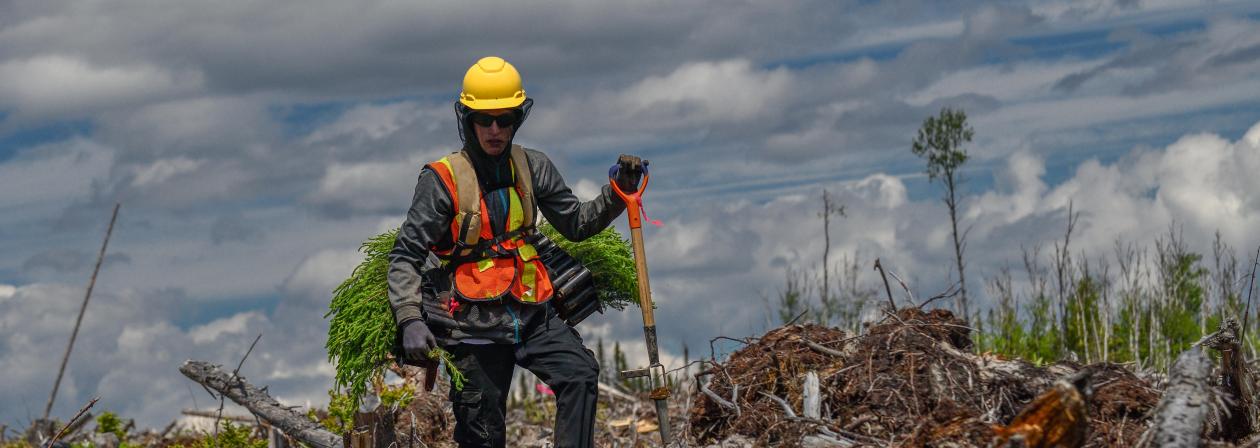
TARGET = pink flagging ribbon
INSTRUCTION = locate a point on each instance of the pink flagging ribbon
(642, 209)
(543, 389)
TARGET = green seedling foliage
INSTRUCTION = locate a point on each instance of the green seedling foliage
(109, 422)
(397, 397)
(230, 436)
(362, 330)
(340, 418)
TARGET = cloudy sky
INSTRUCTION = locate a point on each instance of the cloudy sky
(254, 145)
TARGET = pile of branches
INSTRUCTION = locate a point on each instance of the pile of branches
(913, 380)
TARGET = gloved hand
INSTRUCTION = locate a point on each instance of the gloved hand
(629, 171)
(417, 341)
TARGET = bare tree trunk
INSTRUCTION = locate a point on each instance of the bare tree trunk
(952, 202)
(260, 403)
(826, 286)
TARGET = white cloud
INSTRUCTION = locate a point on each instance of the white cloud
(318, 274)
(372, 122)
(703, 92)
(235, 325)
(163, 169)
(1018, 194)
(1008, 83)
(881, 190)
(7, 291)
(1074, 113)
(58, 84)
(904, 34)
(586, 189)
(368, 186)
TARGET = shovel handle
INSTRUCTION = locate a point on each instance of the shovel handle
(632, 199)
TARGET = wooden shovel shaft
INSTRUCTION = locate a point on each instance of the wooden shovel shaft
(660, 392)
(640, 265)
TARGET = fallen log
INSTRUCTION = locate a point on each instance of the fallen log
(215, 415)
(260, 403)
(1181, 413)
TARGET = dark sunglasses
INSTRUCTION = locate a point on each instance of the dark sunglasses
(505, 120)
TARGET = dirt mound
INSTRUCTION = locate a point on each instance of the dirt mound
(910, 380)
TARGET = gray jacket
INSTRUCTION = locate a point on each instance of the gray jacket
(416, 291)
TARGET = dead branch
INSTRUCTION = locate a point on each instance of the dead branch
(904, 286)
(951, 292)
(820, 349)
(75, 426)
(1251, 285)
(732, 405)
(892, 304)
(787, 409)
(72, 421)
(616, 393)
(260, 404)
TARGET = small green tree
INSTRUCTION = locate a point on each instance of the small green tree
(793, 299)
(940, 141)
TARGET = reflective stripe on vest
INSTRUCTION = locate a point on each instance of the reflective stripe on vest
(522, 273)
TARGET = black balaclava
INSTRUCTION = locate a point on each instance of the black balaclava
(493, 172)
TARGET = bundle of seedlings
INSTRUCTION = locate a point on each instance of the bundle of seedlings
(362, 334)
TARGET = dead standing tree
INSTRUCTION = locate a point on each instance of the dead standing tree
(829, 208)
(940, 141)
(79, 321)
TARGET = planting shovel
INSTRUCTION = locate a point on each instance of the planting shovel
(660, 393)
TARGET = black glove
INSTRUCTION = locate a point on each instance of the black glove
(417, 341)
(629, 171)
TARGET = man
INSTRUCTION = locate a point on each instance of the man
(488, 301)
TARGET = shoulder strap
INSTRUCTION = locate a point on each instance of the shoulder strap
(469, 192)
(524, 184)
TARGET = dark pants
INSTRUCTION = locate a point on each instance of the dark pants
(553, 351)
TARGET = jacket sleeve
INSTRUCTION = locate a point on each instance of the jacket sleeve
(574, 219)
(427, 225)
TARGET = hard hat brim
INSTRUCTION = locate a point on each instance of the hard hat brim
(496, 103)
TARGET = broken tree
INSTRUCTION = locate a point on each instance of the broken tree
(260, 403)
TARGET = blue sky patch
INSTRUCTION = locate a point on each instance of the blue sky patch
(13, 143)
(301, 119)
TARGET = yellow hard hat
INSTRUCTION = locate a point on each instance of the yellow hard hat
(492, 83)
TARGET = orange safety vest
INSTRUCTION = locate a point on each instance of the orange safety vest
(485, 266)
